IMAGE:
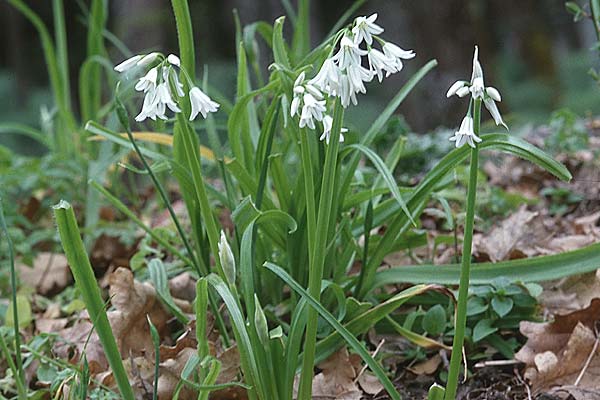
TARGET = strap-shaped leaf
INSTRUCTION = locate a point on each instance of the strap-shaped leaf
(385, 173)
(347, 335)
(535, 269)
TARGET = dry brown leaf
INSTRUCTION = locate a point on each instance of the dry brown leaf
(556, 352)
(75, 343)
(170, 372)
(369, 383)
(336, 379)
(427, 367)
(572, 293)
(50, 273)
(133, 301)
(502, 241)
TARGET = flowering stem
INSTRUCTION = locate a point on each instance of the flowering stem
(319, 250)
(185, 36)
(463, 288)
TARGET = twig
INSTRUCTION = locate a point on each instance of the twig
(496, 363)
(522, 381)
(362, 371)
(589, 360)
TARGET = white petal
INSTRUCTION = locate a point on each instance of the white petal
(128, 64)
(493, 109)
(463, 91)
(147, 59)
(174, 60)
(493, 93)
(455, 87)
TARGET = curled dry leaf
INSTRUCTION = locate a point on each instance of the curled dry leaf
(133, 301)
(504, 242)
(556, 352)
(50, 273)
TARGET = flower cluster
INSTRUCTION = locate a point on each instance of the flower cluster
(162, 88)
(478, 90)
(343, 75)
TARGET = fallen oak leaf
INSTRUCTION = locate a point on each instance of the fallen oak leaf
(557, 352)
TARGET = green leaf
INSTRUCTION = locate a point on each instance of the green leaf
(158, 276)
(434, 320)
(247, 357)
(482, 329)
(23, 310)
(347, 335)
(279, 51)
(535, 269)
(436, 392)
(502, 305)
(88, 287)
(385, 174)
(476, 305)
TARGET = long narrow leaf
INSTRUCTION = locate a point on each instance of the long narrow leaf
(88, 287)
(535, 269)
(348, 336)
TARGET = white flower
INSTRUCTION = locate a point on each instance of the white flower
(312, 109)
(348, 54)
(328, 78)
(364, 28)
(128, 64)
(478, 90)
(201, 103)
(397, 54)
(156, 103)
(148, 81)
(147, 59)
(379, 62)
(347, 93)
(174, 60)
(327, 124)
(465, 133)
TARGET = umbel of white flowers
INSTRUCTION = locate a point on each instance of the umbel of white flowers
(162, 88)
(343, 75)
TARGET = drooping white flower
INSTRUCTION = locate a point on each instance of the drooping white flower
(148, 59)
(174, 60)
(327, 125)
(309, 99)
(476, 87)
(328, 78)
(465, 133)
(201, 103)
(128, 64)
(349, 53)
(397, 54)
(311, 110)
(148, 81)
(379, 62)
(364, 29)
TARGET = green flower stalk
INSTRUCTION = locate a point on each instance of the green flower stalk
(468, 134)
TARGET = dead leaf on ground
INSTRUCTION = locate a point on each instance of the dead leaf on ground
(426, 367)
(502, 242)
(556, 352)
(133, 301)
(572, 293)
(50, 273)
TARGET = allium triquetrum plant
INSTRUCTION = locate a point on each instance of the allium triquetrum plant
(290, 176)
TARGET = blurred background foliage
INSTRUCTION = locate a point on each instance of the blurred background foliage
(530, 49)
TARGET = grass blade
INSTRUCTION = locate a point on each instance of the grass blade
(88, 287)
(347, 335)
